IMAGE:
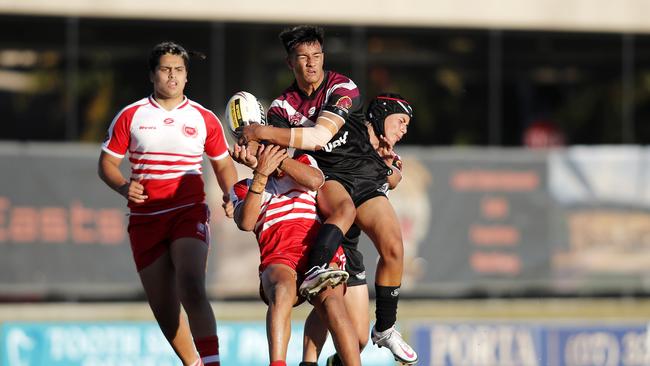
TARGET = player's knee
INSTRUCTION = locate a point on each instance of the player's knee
(191, 287)
(346, 211)
(282, 293)
(393, 252)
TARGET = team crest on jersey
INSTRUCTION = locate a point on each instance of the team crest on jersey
(168, 121)
(190, 131)
(296, 118)
(344, 103)
(311, 112)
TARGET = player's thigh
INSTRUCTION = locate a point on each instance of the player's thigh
(377, 218)
(333, 199)
(190, 239)
(158, 281)
(189, 256)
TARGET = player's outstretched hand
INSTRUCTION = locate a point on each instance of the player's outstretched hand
(269, 158)
(241, 155)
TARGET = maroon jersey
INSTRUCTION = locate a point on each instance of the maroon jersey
(349, 152)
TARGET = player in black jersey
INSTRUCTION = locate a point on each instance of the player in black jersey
(386, 124)
(322, 114)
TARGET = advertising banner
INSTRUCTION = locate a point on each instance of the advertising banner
(531, 344)
(474, 222)
(142, 344)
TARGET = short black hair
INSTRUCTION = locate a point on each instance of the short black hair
(164, 48)
(293, 37)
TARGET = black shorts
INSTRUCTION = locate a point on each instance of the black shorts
(360, 188)
(353, 258)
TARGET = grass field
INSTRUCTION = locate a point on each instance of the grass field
(619, 309)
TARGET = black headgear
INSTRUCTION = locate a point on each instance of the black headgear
(383, 106)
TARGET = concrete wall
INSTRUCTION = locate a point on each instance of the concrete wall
(577, 15)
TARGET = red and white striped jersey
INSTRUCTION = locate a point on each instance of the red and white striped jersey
(288, 211)
(166, 150)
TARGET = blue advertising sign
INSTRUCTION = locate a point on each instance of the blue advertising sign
(531, 344)
(599, 346)
(142, 344)
(450, 344)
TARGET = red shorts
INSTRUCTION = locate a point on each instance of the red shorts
(339, 260)
(151, 235)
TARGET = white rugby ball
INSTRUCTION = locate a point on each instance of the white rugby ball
(242, 109)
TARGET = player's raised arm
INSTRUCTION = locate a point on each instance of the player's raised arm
(304, 138)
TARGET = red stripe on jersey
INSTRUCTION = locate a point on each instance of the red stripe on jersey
(167, 193)
(187, 101)
(293, 200)
(157, 171)
(163, 153)
(119, 131)
(292, 211)
(215, 142)
(163, 162)
(152, 102)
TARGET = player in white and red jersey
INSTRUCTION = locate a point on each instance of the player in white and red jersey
(165, 136)
(279, 206)
(321, 112)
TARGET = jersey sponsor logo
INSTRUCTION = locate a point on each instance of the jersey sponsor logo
(336, 143)
(168, 121)
(345, 103)
(190, 131)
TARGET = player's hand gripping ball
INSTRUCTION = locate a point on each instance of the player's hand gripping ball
(243, 109)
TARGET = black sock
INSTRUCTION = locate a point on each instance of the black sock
(386, 307)
(336, 360)
(327, 242)
(308, 363)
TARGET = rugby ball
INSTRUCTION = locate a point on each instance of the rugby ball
(242, 109)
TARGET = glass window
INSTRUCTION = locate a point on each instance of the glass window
(641, 89)
(32, 78)
(444, 75)
(570, 81)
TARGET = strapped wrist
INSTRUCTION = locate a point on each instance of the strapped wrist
(259, 182)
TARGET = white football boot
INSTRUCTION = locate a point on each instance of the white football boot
(318, 278)
(392, 339)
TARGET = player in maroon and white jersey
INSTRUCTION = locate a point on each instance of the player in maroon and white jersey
(165, 136)
(279, 206)
(322, 113)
